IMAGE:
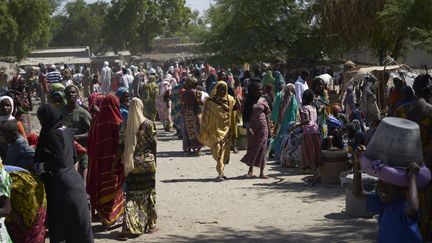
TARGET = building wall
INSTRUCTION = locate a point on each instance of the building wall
(414, 57)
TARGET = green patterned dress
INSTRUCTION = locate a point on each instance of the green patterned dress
(148, 95)
(5, 190)
(140, 206)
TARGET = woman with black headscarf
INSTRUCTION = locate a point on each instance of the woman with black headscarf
(68, 213)
(255, 119)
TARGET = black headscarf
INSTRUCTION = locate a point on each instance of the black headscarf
(250, 101)
(50, 117)
(423, 86)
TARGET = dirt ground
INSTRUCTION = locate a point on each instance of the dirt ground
(193, 207)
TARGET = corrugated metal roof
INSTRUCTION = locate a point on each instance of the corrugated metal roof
(165, 56)
(33, 61)
(60, 49)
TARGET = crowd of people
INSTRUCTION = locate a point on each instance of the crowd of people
(95, 156)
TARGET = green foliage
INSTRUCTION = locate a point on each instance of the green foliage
(175, 14)
(24, 25)
(8, 30)
(386, 26)
(81, 24)
(254, 31)
(133, 24)
(195, 29)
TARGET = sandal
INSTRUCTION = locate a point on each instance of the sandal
(316, 180)
(152, 230)
(122, 236)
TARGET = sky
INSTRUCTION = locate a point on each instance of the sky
(201, 5)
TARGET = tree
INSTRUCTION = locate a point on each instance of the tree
(133, 24)
(176, 16)
(81, 24)
(8, 30)
(24, 25)
(195, 28)
(255, 31)
(386, 26)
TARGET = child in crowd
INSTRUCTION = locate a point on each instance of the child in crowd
(397, 207)
(311, 141)
(96, 84)
(19, 152)
(357, 114)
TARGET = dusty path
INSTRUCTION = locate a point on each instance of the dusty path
(193, 207)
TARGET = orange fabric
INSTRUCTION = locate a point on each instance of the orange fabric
(21, 129)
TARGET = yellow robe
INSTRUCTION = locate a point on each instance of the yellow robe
(215, 127)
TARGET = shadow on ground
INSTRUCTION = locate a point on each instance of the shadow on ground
(180, 154)
(206, 179)
(336, 230)
(283, 183)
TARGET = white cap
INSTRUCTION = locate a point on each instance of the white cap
(152, 71)
(53, 66)
(106, 63)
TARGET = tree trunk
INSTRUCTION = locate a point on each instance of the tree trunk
(398, 47)
(382, 55)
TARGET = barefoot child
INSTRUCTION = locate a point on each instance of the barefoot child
(311, 141)
(396, 206)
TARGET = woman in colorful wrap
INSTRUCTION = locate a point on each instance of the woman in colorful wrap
(138, 156)
(148, 94)
(20, 93)
(284, 112)
(269, 80)
(420, 112)
(105, 190)
(26, 223)
(164, 104)
(5, 203)
(255, 119)
(68, 211)
(321, 102)
(215, 126)
(176, 95)
(310, 141)
(123, 94)
(191, 110)
(279, 81)
(94, 103)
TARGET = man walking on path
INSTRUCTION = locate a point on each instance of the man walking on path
(106, 74)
